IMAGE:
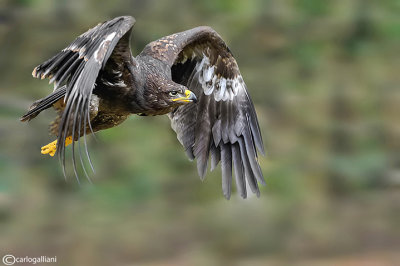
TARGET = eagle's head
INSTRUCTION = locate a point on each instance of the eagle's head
(163, 95)
(177, 95)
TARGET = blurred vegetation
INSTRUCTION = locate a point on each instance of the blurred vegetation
(324, 76)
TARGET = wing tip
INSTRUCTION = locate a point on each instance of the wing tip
(129, 19)
(261, 149)
(202, 174)
(227, 196)
(24, 118)
(30, 114)
(34, 72)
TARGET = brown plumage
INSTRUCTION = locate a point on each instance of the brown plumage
(98, 84)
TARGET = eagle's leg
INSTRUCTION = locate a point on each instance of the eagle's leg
(52, 146)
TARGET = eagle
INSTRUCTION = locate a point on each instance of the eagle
(191, 76)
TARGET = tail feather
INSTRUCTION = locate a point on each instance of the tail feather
(43, 104)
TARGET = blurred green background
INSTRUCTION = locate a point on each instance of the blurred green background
(324, 76)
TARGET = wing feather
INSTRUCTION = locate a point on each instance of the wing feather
(215, 156)
(226, 167)
(251, 180)
(74, 72)
(239, 171)
(202, 141)
(223, 123)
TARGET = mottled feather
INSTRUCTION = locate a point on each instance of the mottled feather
(224, 122)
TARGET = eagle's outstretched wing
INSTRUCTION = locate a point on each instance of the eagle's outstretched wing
(223, 123)
(74, 72)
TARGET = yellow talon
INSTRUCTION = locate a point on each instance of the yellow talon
(52, 146)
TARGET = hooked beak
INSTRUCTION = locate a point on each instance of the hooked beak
(189, 97)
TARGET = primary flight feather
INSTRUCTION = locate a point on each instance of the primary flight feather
(192, 76)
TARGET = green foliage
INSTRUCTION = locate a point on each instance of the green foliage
(313, 7)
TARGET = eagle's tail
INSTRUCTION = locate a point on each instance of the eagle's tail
(43, 104)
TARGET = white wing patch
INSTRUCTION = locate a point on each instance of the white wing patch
(224, 89)
(120, 83)
(100, 53)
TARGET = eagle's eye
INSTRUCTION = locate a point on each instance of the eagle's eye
(173, 93)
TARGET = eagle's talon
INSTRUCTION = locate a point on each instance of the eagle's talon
(51, 148)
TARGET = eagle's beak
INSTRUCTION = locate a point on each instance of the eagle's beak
(189, 97)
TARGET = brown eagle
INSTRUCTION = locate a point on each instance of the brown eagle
(192, 76)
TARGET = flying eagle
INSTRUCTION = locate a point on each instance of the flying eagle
(191, 76)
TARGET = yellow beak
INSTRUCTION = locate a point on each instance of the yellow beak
(189, 97)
